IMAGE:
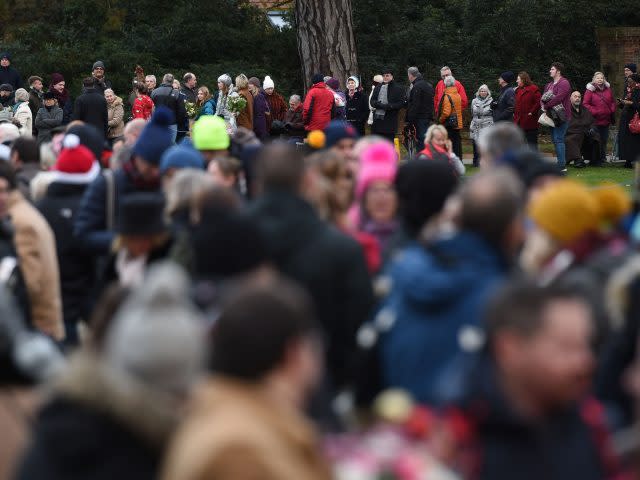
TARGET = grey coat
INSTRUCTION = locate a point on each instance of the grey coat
(482, 116)
(46, 120)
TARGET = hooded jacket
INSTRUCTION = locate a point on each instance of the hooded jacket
(600, 102)
(437, 293)
(318, 107)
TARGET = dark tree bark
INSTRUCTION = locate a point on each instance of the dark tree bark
(326, 43)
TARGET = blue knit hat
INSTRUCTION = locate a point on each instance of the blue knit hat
(6, 55)
(181, 156)
(338, 130)
(156, 137)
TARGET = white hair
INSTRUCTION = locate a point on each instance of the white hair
(444, 69)
(485, 87)
(295, 98)
(449, 81)
(168, 78)
(108, 90)
(151, 77)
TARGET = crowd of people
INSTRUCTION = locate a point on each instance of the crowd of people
(229, 286)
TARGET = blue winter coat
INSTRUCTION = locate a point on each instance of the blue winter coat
(209, 108)
(435, 294)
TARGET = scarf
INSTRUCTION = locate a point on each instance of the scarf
(382, 98)
(138, 181)
(62, 97)
(14, 109)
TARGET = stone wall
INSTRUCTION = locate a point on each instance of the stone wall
(618, 46)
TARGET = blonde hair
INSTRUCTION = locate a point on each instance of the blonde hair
(593, 79)
(433, 129)
(186, 185)
(207, 95)
(484, 85)
(242, 81)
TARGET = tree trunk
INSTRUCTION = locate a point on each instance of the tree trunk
(326, 43)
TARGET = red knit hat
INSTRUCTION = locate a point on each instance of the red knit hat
(74, 158)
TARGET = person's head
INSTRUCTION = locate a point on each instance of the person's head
(340, 137)
(242, 82)
(375, 189)
(98, 70)
(540, 339)
(57, 82)
(266, 334)
(294, 102)
(412, 73)
(203, 94)
(132, 131)
(598, 79)
(505, 79)
(333, 83)
(49, 99)
(445, 72)
(21, 95)
(353, 83)
(7, 185)
(268, 85)
(141, 227)
(524, 79)
(334, 192)
(576, 99)
(176, 84)
(35, 82)
(24, 150)
(190, 80)
(630, 69)
(496, 141)
(225, 171)
(437, 135)
(449, 81)
(387, 75)
(254, 85)
(109, 95)
(280, 167)
(491, 206)
(141, 88)
(483, 92)
(177, 158)
(168, 79)
(150, 82)
(210, 136)
(556, 70)
(5, 59)
(224, 82)
(89, 82)
(6, 90)
(155, 139)
(186, 186)
(377, 80)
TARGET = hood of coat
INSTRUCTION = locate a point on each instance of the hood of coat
(148, 413)
(592, 88)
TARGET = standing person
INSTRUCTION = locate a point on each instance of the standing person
(25, 159)
(440, 87)
(150, 82)
(143, 105)
(481, 117)
(91, 106)
(319, 105)
(224, 88)
(101, 82)
(48, 117)
(205, 102)
(22, 112)
(7, 99)
(630, 142)
(260, 109)
(527, 108)
(504, 105)
(599, 100)
(339, 97)
(115, 120)
(245, 118)
(388, 99)
(293, 121)
(167, 96)
(277, 104)
(450, 108)
(35, 97)
(64, 100)
(629, 69)
(556, 96)
(357, 105)
(190, 87)
(183, 126)
(420, 104)
(8, 74)
(437, 146)
(377, 80)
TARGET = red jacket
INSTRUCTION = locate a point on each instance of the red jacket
(318, 106)
(600, 103)
(527, 109)
(440, 91)
(142, 107)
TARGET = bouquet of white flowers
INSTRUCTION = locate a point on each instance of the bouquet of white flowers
(192, 110)
(236, 103)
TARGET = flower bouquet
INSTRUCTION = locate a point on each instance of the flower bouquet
(192, 110)
(236, 103)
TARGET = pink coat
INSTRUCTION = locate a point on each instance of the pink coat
(600, 102)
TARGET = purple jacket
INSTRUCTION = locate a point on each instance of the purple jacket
(260, 111)
(561, 94)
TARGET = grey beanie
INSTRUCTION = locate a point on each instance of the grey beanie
(98, 64)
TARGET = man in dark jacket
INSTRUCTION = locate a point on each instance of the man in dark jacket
(8, 74)
(101, 82)
(526, 402)
(190, 87)
(387, 99)
(582, 139)
(504, 106)
(91, 106)
(36, 97)
(357, 105)
(328, 264)
(167, 96)
(419, 105)
(6, 95)
(25, 159)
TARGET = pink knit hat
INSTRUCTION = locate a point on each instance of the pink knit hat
(377, 162)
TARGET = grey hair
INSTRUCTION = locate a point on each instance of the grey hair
(168, 78)
(109, 90)
(150, 77)
(484, 85)
(498, 139)
(226, 79)
(186, 185)
(449, 81)
(445, 68)
(188, 76)
(22, 95)
(413, 71)
(295, 98)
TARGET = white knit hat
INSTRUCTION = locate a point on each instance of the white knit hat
(268, 83)
(355, 79)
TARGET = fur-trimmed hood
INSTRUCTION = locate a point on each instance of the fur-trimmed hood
(592, 88)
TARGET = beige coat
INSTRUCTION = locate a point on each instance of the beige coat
(116, 118)
(36, 250)
(25, 117)
(236, 431)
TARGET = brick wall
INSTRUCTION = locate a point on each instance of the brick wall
(618, 46)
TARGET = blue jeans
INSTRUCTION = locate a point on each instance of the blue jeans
(174, 132)
(557, 135)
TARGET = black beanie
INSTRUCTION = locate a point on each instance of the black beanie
(632, 66)
(317, 78)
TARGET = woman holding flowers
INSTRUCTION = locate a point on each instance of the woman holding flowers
(224, 86)
(245, 117)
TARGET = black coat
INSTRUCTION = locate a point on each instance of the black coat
(420, 104)
(103, 84)
(505, 105)
(91, 108)
(357, 109)
(59, 207)
(170, 98)
(329, 264)
(396, 100)
(11, 76)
